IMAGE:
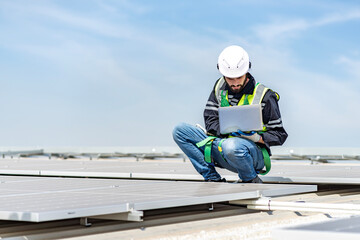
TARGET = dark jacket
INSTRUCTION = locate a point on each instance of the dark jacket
(275, 134)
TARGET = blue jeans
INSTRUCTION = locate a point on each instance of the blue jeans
(241, 156)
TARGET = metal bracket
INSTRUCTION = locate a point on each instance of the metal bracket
(132, 215)
(250, 201)
(211, 206)
(84, 222)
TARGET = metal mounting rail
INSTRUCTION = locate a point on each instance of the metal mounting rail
(267, 204)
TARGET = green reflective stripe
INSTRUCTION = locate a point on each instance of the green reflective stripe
(207, 142)
(267, 161)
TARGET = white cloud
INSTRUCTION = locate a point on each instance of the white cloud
(352, 66)
(337, 18)
(45, 13)
(284, 27)
(269, 32)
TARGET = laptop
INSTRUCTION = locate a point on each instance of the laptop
(245, 117)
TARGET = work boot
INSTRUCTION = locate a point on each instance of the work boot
(255, 180)
(217, 180)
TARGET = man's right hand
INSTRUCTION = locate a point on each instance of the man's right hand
(253, 136)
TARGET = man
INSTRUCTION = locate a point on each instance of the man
(245, 153)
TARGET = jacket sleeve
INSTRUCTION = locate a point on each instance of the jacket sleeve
(211, 115)
(275, 134)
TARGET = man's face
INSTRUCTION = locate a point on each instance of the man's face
(236, 84)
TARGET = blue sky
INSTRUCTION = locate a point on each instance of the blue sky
(124, 73)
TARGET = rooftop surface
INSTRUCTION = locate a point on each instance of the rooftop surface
(296, 192)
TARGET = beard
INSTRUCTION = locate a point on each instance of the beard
(236, 88)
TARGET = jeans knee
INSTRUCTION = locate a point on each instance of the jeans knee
(178, 130)
(233, 148)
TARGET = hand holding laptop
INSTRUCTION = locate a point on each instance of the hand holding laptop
(253, 136)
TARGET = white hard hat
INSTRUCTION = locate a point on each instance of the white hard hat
(233, 62)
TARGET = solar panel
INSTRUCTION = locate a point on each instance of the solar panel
(280, 172)
(38, 199)
(317, 173)
(346, 228)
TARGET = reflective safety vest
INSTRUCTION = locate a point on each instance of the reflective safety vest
(247, 99)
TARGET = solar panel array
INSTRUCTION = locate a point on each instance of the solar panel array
(280, 172)
(38, 199)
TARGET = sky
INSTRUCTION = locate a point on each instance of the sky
(124, 73)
